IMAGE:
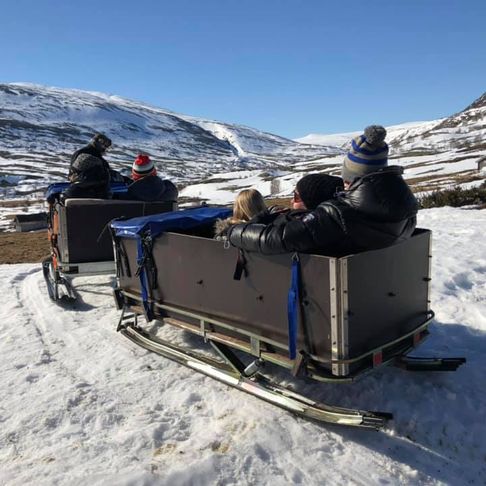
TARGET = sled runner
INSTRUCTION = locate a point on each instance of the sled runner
(329, 319)
(80, 238)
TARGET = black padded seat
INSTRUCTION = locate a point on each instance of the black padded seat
(83, 232)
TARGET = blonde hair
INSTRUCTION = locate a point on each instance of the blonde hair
(248, 204)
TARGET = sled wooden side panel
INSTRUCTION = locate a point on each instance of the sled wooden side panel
(387, 293)
(350, 306)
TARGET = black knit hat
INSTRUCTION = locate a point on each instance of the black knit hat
(101, 142)
(316, 188)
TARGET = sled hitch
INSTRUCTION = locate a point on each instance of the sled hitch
(410, 363)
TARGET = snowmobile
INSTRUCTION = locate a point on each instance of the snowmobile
(79, 236)
(323, 318)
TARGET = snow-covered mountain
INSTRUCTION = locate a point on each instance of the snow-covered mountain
(435, 153)
(40, 127)
(342, 139)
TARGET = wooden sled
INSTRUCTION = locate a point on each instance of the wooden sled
(354, 313)
(80, 240)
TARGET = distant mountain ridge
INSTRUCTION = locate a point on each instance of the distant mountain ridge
(463, 130)
(342, 139)
(40, 127)
(434, 153)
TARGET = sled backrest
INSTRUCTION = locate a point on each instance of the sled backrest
(349, 305)
(84, 235)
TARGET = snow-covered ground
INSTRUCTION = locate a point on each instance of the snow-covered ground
(81, 405)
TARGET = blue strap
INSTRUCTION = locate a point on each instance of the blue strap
(293, 306)
(143, 277)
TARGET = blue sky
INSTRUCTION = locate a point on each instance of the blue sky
(290, 67)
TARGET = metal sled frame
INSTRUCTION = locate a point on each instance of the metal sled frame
(248, 377)
(58, 271)
(343, 335)
(231, 371)
(86, 269)
(59, 277)
(259, 346)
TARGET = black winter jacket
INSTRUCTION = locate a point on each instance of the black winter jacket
(90, 149)
(377, 211)
(151, 189)
(89, 178)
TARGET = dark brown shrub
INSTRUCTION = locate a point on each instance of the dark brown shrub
(455, 197)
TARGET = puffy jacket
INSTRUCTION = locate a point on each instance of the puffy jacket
(90, 149)
(378, 210)
(89, 178)
(267, 216)
(151, 189)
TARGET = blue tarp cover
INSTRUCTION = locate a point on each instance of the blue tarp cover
(58, 187)
(175, 220)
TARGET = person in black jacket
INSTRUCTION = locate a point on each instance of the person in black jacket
(89, 178)
(377, 209)
(96, 147)
(146, 185)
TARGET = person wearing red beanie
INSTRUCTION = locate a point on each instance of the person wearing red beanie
(146, 185)
(143, 167)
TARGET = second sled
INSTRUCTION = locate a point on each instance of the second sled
(79, 235)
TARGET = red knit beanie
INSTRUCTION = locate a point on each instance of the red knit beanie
(142, 167)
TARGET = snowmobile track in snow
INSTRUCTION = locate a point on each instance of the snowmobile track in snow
(80, 403)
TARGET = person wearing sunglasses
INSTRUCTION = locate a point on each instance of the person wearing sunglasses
(376, 209)
(309, 192)
(313, 189)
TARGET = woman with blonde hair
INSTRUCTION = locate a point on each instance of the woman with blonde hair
(248, 203)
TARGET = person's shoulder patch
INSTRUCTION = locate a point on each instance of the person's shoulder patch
(308, 218)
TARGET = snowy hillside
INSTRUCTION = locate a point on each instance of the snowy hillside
(81, 405)
(40, 127)
(342, 139)
(436, 153)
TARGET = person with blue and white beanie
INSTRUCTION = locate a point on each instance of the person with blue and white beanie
(367, 154)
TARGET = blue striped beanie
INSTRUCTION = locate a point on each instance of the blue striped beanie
(367, 154)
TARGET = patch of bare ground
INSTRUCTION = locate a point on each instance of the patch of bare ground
(30, 247)
(20, 203)
(184, 202)
(432, 182)
(278, 201)
(456, 197)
